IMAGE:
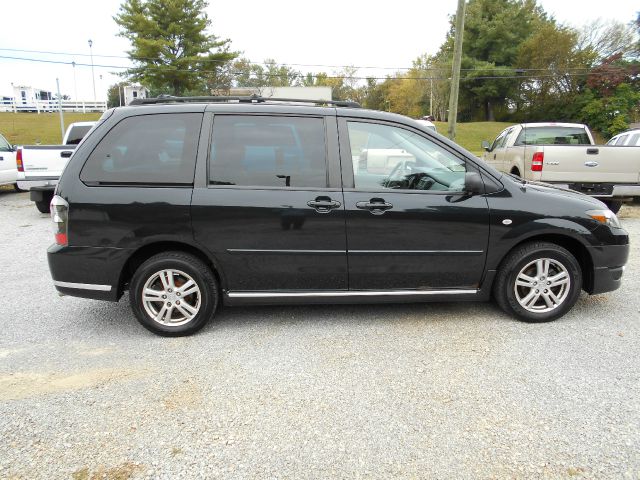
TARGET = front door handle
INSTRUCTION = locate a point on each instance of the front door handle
(66, 154)
(592, 151)
(377, 206)
(323, 204)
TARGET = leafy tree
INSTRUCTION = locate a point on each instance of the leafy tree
(555, 71)
(114, 93)
(269, 74)
(170, 46)
(494, 31)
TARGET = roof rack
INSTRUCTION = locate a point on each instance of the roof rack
(163, 99)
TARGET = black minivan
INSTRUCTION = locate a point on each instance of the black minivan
(192, 203)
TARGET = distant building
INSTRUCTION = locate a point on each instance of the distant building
(304, 93)
(27, 97)
(132, 92)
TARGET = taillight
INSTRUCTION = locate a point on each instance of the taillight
(537, 161)
(60, 218)
(19, 160)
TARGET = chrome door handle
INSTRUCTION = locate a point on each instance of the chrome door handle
(376, 206)
(323, 204)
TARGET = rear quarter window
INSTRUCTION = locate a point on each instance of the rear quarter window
(146, 149)
(553, 136)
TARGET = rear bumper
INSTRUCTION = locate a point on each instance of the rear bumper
(608, 190)
(87, 272)
(608, 267)
(25, 184)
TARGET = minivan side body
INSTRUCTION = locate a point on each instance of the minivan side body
(286, 204)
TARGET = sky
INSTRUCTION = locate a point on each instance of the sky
(311, 36)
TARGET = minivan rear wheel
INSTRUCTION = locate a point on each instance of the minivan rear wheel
(173, 294)
(538, 282)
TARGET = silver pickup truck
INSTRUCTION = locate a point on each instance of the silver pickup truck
(40, 166)
(566, 155)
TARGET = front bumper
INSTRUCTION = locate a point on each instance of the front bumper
(608, 267)
(88, 272)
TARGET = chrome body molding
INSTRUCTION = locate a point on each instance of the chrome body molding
(352, 293)
(354, 252)
(83, 286)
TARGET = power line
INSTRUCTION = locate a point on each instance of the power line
(273, 75)
(211, 60)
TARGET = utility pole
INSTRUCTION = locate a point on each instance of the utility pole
(93, 75)
(75, 86)
(431, 96)
(60, 108)
(455, 77)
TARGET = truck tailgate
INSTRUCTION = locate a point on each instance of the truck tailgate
(591, 164)
(45, 162)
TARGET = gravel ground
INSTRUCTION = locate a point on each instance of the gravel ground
(394, 391)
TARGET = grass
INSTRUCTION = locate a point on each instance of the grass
(470, 135)
(33, 128)
(44, 128)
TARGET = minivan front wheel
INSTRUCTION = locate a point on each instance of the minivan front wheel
(173, 294)
(538, 282)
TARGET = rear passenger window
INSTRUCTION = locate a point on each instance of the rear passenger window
(146, 149)
(268, 151)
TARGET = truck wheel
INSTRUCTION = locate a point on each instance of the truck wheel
(43, 206)
(173, 294)
(613, 205)
(538, 282)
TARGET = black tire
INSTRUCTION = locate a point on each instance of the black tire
(43, 207)
(613, 205)
(515, 172)
(193, 267)
(504, 288)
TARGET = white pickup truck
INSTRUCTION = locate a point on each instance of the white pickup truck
(8, 168)
(565, 154)
(40, 166)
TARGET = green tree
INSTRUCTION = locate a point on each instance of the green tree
(170, 46)
(114, 94)
(556, 67)
(494, 31)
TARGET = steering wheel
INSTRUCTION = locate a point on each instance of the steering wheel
(400, 169)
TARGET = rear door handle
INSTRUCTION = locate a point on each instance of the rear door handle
(66, 154)
(323, 204)
(377, 206)
(592, 151)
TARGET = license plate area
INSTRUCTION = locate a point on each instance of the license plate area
(598, 189)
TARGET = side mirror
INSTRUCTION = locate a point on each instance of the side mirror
(486, 145)
(473, 183)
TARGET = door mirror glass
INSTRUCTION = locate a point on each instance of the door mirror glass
(473, 183)
(486, 145)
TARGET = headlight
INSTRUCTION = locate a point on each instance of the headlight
(606, 217)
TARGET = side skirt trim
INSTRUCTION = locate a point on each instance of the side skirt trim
(83, 286)
(353, 293)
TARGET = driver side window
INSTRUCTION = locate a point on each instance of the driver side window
(388, 157)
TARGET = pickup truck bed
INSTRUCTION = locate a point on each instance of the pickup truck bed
(42, 166)
(608, 172)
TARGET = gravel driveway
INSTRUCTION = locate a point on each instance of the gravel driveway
(394, 391)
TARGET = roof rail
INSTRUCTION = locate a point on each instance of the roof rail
(163, 99)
